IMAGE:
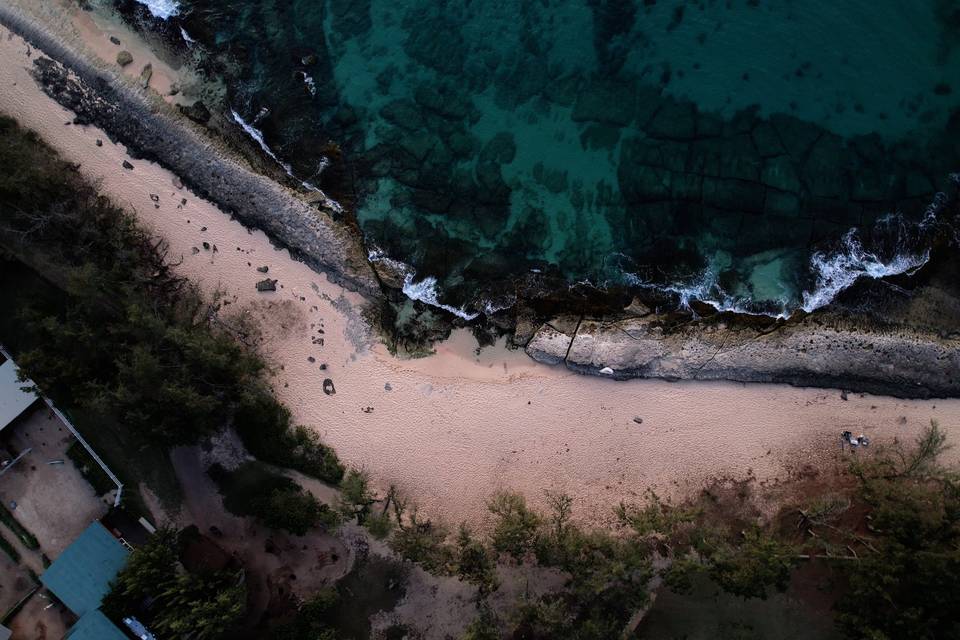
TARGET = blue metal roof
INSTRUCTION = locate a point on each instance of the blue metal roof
(80, 577)
(93, 625)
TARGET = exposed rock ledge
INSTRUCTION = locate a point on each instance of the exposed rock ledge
(803, 353)
(152, 131)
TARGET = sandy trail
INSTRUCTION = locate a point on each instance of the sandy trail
(454, 427)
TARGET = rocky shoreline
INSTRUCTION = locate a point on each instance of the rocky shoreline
(906, 355)
(150, 132)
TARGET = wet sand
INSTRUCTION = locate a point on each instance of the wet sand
(456, 426)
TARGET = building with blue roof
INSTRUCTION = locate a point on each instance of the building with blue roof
(80, 577)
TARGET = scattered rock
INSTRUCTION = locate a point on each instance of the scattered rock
(197, 112)
(206, 245)
(263, 269)
(127, 166)
(607, 371)
(115, 40)
(267, 285)
(124, 58)
(328, 387)
(99, 142)
(195, 250)
(178, 184)
(387, 387)
(311, 359)
(155, 197)
(638, 419)
(145, 74)
(309, 60)
(843, 395)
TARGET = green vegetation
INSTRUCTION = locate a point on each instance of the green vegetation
(89, 469)
(275, 500)
(115, 337)
(265, 427)
(313, 619)
(172, 602)
(905, 582)
(27, 538)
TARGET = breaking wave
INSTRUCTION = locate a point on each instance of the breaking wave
(163, 9)
(257, 135)
(426, 292)
(839, 270)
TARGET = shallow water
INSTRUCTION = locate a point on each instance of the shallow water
(719, 150)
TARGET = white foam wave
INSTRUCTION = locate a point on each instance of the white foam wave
(186, 36)
(839, 270)
(163, 9)
(426, 292)
(257, 135)
(705, 288)
(311, 85)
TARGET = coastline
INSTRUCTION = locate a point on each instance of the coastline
(825, 349)
(454, 427)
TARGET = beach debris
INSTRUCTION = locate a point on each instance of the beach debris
(115, 40)
(267, 285)
(607, 371)
(328, 387)
(195, 250)
(843, 395)
(323, 367)
(145, 74)
(846, 437)
(99, 142)
(206, 246)
(638, 419)
(387, 387)
(127, 166)
(263, 269)
(311, 359)
(367, 409)
(155, 197)
(124, 58)
(177, 182)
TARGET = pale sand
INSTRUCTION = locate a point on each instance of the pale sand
(90, 32)
(456, 427)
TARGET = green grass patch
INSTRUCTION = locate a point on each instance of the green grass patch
(27, 538)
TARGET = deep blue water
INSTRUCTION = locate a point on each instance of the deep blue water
(761, 154)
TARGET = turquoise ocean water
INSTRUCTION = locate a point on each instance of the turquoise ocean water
(759, 154)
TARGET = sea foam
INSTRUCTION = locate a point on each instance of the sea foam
(257, 135)
(426, 292)
(838, 270)
(163, 9)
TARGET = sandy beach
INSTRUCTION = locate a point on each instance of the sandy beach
(452, 428)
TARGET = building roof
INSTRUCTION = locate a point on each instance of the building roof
(80, 576)
(93, 625)
(13, 400)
